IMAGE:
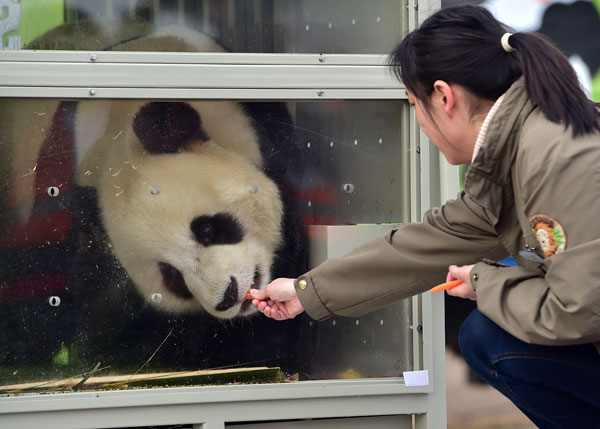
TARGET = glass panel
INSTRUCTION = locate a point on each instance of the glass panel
(346, 154)
(297, 26)
(130, 231)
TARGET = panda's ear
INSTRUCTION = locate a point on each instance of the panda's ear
(167, 127)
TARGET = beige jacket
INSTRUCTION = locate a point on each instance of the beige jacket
(533, 193)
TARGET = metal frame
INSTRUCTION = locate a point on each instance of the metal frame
(195, 75)
(88, 75)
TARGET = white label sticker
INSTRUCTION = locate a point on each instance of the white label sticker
(416, 378)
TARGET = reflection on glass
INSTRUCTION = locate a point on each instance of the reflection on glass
(299, 26)
(162, 216)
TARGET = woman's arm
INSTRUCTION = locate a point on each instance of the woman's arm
(405, 262)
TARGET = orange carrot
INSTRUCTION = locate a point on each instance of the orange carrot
(248, 296)
(448, 285)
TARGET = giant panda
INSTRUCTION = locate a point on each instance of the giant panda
(185, 202)
(178, 208)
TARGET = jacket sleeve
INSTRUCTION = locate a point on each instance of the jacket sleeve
(405, 262)
(563, 306)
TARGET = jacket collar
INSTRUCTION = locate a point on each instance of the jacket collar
(490, 171)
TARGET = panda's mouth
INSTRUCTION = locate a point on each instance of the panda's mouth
(255, 284)
(173, 281)
(257, 278)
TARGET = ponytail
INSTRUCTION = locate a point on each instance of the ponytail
(553, 85)
(462, 45)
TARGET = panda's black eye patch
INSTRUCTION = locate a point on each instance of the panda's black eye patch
(173, 281)
(220, 228)
(166, 127)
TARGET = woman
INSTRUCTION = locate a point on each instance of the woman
(510, 105)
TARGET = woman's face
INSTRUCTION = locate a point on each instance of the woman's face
(450, 133)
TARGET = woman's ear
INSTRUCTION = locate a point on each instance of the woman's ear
(444, 96)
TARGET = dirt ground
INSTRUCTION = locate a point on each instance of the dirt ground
(476, 405)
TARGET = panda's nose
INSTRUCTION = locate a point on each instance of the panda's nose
(230, 297)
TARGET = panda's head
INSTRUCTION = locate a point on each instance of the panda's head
(187, 208)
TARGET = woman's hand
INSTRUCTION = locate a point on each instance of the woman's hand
(277, 300)
(464, 290)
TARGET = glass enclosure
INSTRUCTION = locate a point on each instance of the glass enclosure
(261, 26)
(121, 264)
(159, 158)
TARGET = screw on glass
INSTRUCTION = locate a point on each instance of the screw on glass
(348, 188)
(54, 301)
(53, 191)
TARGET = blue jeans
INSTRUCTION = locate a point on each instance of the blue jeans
(555, 386)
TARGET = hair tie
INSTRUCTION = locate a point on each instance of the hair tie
(505, 45)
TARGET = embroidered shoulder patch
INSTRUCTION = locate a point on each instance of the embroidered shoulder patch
(549, 233)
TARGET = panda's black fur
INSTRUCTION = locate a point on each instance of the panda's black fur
(165, 127)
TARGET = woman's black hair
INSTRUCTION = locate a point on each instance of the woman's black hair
(462, 45)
